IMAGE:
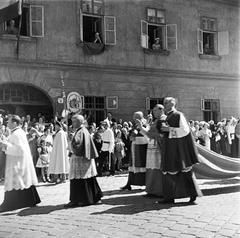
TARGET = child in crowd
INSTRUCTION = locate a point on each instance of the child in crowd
(119, 150)
(43, 160)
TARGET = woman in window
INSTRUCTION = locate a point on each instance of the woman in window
(156, 45)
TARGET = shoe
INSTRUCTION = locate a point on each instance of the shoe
(126, 187)
(71, 205)
(192, 199)
(166, 201)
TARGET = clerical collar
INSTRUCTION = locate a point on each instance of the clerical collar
(14, 129)
(173, 110)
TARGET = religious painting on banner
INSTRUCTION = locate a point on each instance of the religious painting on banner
(75, 102)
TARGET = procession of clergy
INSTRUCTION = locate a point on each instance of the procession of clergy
(162, 156)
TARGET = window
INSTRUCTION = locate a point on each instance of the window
(151, 102)
(32, 22)
(92, 7)
(95, 109)
(211, 109)
(210, 41)
(94, 26)
(156, 34)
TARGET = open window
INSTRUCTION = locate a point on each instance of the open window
(32, 22)
(210, 41)
(94, 26)
(156, 35)
(211, 109)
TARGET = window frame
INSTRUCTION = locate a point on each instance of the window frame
(156, 10)
(104, 29)
(144, 39)
(112, 31)
(31, 21)
(92, 13)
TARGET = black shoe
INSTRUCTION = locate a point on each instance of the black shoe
(126, 187)
(166, 201)
(192, 199)
(71, 205)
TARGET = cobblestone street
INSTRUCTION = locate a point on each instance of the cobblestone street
(128, 214)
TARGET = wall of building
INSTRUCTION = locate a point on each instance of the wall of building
(125, 70)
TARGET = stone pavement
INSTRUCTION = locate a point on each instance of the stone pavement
(128, 214)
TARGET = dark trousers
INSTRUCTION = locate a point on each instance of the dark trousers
(106, 163)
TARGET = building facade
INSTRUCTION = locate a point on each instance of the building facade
(122, 56)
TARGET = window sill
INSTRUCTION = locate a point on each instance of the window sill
(156, 52)
(14, 38)
(210, 57)
(90, 48)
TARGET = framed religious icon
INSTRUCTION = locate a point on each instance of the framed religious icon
(112, 102)
(75, 102)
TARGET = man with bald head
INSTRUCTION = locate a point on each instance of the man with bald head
(180, 154)
(137, 163)
(84, 188)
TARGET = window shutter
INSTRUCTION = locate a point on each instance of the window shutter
(216, 105)
(36, 21)
(202, 104)
(147, 103)
(80, 25)
(223, 43)
(82, 103)
(171, 36)
(110, 30)
(200, 41)
(144, 34)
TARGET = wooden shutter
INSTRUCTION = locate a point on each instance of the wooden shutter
(171, 36)
(110, 30)
(216, 105)
(200, 41)
(36, 21)
(80, 25)
(223, 43)
(144, 34)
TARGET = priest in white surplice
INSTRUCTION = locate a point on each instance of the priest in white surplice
(20, 175)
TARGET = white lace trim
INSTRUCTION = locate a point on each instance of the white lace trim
(82, 168)
(175, 172)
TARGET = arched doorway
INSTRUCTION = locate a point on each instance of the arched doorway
(22, 99)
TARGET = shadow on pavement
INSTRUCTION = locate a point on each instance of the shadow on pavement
(119, 191)
(223, 181)
(129, 205)
(223, 190)
(39, 210)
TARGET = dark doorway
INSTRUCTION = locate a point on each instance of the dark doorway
(23, 99)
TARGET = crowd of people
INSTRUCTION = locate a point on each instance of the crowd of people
(158, 151)
(221, 137)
